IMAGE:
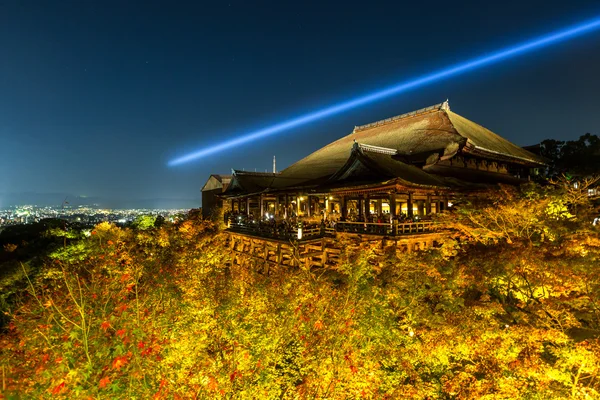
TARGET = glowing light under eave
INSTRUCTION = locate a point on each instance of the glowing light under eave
(453, 70)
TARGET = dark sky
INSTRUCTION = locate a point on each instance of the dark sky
(97, 96)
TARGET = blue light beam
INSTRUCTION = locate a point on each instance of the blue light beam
(478, 62)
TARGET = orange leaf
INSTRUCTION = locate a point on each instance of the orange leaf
(119, 362)
(213, 384)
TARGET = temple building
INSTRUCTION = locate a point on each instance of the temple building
(385, 178)
(212, 204)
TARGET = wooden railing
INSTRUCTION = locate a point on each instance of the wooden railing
(289, 232)
(275, 231)
(391, 229)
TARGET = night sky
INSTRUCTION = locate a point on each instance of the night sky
(97, 97)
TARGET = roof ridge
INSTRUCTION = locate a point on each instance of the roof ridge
(255, 173)
(436, 107)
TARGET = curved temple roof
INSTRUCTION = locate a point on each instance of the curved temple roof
(390, 146)
(434, 129)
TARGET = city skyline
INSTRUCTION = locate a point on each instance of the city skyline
(95, 98)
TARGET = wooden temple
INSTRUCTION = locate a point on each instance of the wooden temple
(385, 179)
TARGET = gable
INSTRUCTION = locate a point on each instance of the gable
(216, 182)
(211, 184)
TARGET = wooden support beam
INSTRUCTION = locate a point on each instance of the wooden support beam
(279, 255)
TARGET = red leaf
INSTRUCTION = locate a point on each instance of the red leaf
(121, 333)
(104, 382)
(105, 325)
(233, 376)
(58, 388)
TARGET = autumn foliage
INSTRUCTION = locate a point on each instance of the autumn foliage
(506, 307)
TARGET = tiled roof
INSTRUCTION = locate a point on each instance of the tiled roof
(434, 129)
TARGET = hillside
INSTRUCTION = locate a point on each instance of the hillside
(506, 307)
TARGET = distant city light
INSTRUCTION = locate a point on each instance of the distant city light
(481, 61)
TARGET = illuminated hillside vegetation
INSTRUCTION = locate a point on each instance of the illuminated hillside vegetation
(507, 308)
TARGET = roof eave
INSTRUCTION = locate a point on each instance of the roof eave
(478, 150)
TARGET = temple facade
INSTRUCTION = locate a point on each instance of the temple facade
(386, 178)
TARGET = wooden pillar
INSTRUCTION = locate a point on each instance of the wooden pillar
(298, 205)
(361, 208)
(343, 209)
(287, 205)
(428, 205)
(276, 206)
(248, 206)
(308, 205)
(262, 207)
(393, 218)
(409, 206)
